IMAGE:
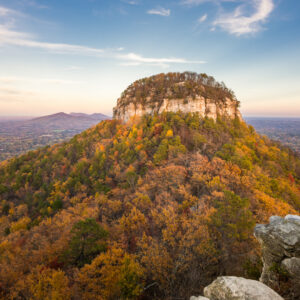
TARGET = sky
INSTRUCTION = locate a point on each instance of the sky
(79, 55)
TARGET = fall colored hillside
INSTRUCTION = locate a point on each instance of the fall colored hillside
(156, 210)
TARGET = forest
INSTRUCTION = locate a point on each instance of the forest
(152, 210)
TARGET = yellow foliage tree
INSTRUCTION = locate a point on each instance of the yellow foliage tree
(49, 284)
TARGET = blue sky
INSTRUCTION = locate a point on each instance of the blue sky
(79, 55)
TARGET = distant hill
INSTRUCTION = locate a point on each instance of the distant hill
(66, 121)
(18, 136)
(95, 116)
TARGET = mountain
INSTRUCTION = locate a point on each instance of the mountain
(17, 137)
(151, 209)
(95, 116)
(186, 92)
(66, 121)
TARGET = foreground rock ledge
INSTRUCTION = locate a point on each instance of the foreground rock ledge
(237, 288)
(280, 242)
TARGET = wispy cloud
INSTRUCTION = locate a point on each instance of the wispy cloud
(140, 59)
(9, 36)
(13, 94)
(131, 2)
(239, 23)
(5, 11)
(202, 19)
(11, 87)
(247, 17)
(8, 12)
(14, 38)
(160, 11)
(14, 80)
(133, 59)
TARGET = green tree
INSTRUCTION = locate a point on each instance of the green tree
(232, 217)
(232, 226)
(87, 241)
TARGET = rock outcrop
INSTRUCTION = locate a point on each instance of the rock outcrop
(237, 288)
(280, 242)
(173, 92)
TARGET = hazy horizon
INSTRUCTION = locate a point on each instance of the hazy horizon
(60, 57)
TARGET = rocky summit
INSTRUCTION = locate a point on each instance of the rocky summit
(186, 92)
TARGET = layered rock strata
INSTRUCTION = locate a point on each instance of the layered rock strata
(186, 92)
(205, 107)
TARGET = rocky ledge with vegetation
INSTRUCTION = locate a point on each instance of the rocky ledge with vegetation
(280, 241)
(187, 92)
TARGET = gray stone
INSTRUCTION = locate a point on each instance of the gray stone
(275, 219)
(238, 288)
(198, 298)
(292, 266)
(280, 242)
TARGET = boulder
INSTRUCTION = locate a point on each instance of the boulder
(238, 288)
(280, 242)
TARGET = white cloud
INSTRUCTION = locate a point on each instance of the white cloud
(202, 19)
(239, 23)
(160, 11)
(4, 11)
(133, 59)
(11, 37)
(15, 38)
(131, 2)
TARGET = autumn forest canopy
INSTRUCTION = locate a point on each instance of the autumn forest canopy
(155, 209)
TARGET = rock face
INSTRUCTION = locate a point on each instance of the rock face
(205, 107)
(173, 92)
(238, 288)
(280, 241)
